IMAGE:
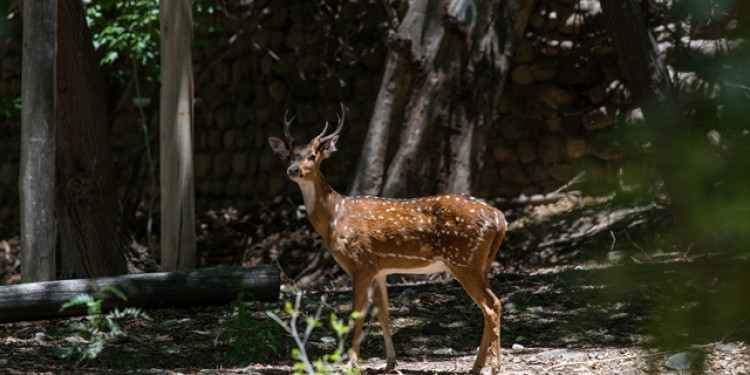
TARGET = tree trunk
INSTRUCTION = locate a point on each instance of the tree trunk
(646, 75)
(444, 74)
(176, 118)
(37, 179)
(91, 243)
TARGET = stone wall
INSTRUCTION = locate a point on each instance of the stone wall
(564, 108)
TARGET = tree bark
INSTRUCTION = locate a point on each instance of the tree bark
(42, 300)
(91, 243)
(37, 179)
(444, 74)
(647, 77)
(176, 117)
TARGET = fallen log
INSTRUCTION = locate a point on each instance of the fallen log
(42, 300)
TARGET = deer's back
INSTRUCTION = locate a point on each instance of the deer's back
(451, 228)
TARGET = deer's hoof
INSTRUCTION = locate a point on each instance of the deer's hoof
(390, 365)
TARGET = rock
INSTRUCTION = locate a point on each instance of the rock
(561, 172)
(551, 148)
(575, 148)
(537, 21)
(230, 139)
(233, 187)
(214, 140)
(242, 114)
(304, 89)
(551, 353)
(596, 94)
(537, 173)
(524, 52)
(277, 91)
(503, 153)
(201, 164)
(514, 173)
(221, 74)
(522, 75)
(597, 119)
(296, 38)
(517, 346)
(222, 164)
(444, 351)
(526, 150)
(681, 361)
(724, 347)
(579, 70)
(554, 123)
(512, 128)
(606, 146)
(555, 97)
(541, 73)
(362, 87)
(239, 163)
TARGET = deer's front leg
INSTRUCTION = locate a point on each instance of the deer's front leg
(361, 295)
(380, 297)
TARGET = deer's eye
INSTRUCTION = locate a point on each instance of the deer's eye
(311, 158)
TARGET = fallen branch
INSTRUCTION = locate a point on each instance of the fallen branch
(42, 300)
(536, 199)
(540, 199)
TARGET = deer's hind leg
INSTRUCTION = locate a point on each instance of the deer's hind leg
(479, 290)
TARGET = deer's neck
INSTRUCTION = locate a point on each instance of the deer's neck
(320, 202)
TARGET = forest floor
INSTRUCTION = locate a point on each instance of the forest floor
(589, 286)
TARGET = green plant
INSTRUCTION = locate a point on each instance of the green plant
(328, 363)
(89, 337)
(10, 107)
(125, 29)
(250, 340)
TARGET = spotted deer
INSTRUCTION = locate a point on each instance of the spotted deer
(372, 237)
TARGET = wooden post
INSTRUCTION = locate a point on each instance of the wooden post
(176, 124)
(37, 175)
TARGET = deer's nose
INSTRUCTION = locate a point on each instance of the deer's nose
(294, 171)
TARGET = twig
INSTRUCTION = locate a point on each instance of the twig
(576, 179)
(636, 246)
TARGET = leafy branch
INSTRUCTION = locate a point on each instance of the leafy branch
(328, 362)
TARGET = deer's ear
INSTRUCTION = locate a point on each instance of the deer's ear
(329, 147)
(279, 147)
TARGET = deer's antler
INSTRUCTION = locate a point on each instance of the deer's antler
(287, 123)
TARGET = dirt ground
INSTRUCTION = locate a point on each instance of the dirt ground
(587, 286)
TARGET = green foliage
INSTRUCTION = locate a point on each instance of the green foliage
(9, 107)
(88, 338)
(249, 340)
(125, 29)
(328, 363)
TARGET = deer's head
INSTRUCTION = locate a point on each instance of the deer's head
(304, 160)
